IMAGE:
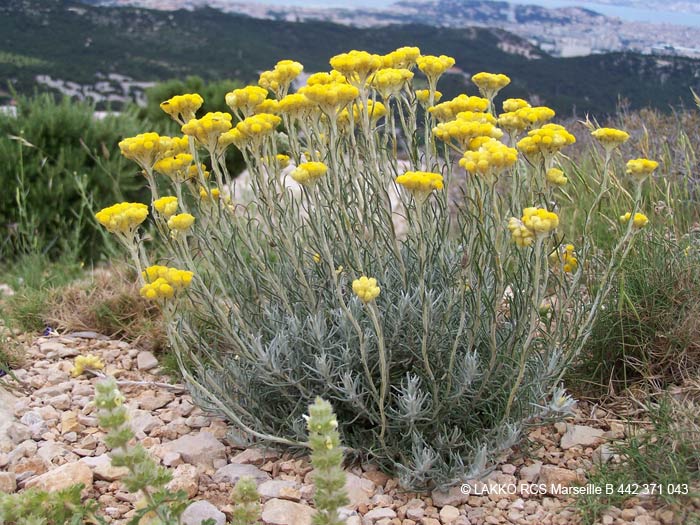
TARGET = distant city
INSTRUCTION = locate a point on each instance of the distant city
(562, 28)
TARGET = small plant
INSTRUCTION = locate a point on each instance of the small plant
(327, 460)
(246, 509)
(145, 475)
(38, 507)
(439, 311)
(665, 457)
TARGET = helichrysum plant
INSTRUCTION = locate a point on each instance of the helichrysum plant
(411, 258)
(327, 460)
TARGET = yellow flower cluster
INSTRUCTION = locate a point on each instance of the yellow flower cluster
(514, 104)
(251, 131)
(546, 141)
(420, 183)
(175, 167)
(246, 99)
(282, 160)
(640, 220)
(401, 58)
(610, 138)
(330, 98)
(566, 257)
(356, 66)
(123, 218)
(640, 169)
(162, 282)
(332, 77)
(166, 206)
(523, 117)
(535, 223)
(182, 108)
(366, 289)
(269, 105)
(490, 159)
(390, 81)
(308, 173)
(375, 110)
(423, 96)
(467, 126)
(181, 222)
(433, 67)
(296, 105)
(490, 84)
(556, 177)
(211, 195)
(148, 148)
(83, 362)
(449, 109)
(208, 128)
(279, 78)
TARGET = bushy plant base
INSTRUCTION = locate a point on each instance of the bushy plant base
(436, 343)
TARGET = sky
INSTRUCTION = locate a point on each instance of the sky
(626, 13)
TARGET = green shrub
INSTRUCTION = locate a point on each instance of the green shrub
(57, 163)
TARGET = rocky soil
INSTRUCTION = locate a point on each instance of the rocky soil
(50, 439)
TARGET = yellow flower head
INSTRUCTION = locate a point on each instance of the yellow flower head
(356, 66)
(308, 173)
(296, 105)
(490, 159)
(540, 221)
(420, 183)
(279, 79)
(208, 129)
(423, 96)
(467, 126)
(490, 84)
(640, 169)
(390, 81)
(86, 361)
(433, 67)
(332, 77)
(182, 108)
(449, 109)
(556, 177)
(282, 160)
(366, 289)
(176, 167)
(565, 257)
(251, 132)
(640, 220)
(123, 218)
(181, 222)
(402, 58)
(522, 236)
(546, 141)
(610, 138)
(514, 104)
(268, 105)
(166, 206)
(376, 110)
(211, 195)
(148, 148)
(331, 98)
(162, 282)
(246, 99)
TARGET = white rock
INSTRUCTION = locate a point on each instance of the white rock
(233, 472)
(360, 490)
(280, 488)
(580, 435)
(200, 511)
(146, 361)
(529, 473)
(8, 482)
(143, 421)
(186, 478)
(102, 468)
(449, 514)
(63, 477)
(197, 449)
(18, 432)
(380, 513)
(282, 512)
(255, 456)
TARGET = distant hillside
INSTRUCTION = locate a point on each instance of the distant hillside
(74, 41)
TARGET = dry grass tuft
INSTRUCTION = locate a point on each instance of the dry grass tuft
(107, 301)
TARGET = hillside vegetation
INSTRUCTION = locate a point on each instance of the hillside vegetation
(74, 41)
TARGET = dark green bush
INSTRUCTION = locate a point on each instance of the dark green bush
(58, 163)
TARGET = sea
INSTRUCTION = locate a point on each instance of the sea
(637, 14)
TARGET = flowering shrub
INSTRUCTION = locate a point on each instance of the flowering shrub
(437, 312)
